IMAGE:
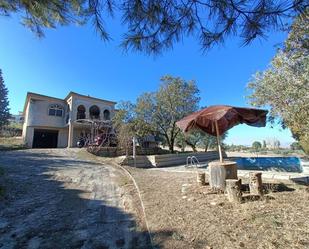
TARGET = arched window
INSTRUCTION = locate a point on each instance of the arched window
(94, 112)
(81, 112)
(55, 110)
(107, 115)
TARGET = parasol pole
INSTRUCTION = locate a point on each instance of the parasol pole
(218, 141)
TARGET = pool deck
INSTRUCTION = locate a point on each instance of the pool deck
(268, 176)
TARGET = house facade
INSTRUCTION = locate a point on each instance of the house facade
(55, 123)
(17, 118)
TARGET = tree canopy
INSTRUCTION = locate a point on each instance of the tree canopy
(256, 145)
(295, 146)
(4, 103)
(124, 124)
(155, 25)
(158, 112)
(198, 138)
(284, 86)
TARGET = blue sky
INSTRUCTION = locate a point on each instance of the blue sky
(75, 59)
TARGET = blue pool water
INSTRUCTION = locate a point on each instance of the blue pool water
(288, 164)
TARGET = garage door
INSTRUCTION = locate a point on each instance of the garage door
(45, 139)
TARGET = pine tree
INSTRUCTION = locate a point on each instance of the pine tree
(154, 26)
(4, 103)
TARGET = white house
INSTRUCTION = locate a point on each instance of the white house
(17, 118)
(52, 122)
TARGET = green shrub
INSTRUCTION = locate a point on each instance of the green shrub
(304, 143)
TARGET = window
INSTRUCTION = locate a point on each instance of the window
(55, 110)
(107, 115)
(94, 112)
(81, 112)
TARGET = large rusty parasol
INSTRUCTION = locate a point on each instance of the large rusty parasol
(217, 119)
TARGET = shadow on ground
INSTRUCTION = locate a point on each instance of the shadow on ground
(38, 211)
(270, 187)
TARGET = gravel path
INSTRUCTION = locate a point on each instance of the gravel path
(56, 200)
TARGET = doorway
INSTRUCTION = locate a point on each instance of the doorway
(45, 139)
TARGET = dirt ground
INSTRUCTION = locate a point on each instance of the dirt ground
(189, 216)
(68, 199)
(55, 199)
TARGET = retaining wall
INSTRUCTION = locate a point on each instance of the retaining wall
(169, 159)
(115, 151)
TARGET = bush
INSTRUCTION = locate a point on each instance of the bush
(304, 143)
(11, 143)
(12, 130)
(256, 145)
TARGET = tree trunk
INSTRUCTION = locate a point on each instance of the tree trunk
(206, 147)
(233, 189)
(171, 146)
(255, 184)
(219, 172)
(183, 146)
(193, 146)
(169, 143)
(171, 149)
(201, 178)
(172, 142)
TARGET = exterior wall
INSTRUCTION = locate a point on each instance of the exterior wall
(62, 135)
(69, 110)
(63, 138)
(76, 134)
(87, 103)
(25, 125)
(28, 136)
(38, 114)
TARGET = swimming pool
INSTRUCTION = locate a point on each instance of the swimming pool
(287, 164)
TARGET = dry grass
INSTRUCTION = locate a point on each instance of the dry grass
(11, 143)
(184, 215)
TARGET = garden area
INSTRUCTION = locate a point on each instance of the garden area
(11, 143)
(181, 213)
(163, 167)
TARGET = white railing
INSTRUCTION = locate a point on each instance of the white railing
(192, 161)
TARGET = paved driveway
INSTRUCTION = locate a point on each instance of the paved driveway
(55, 200)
